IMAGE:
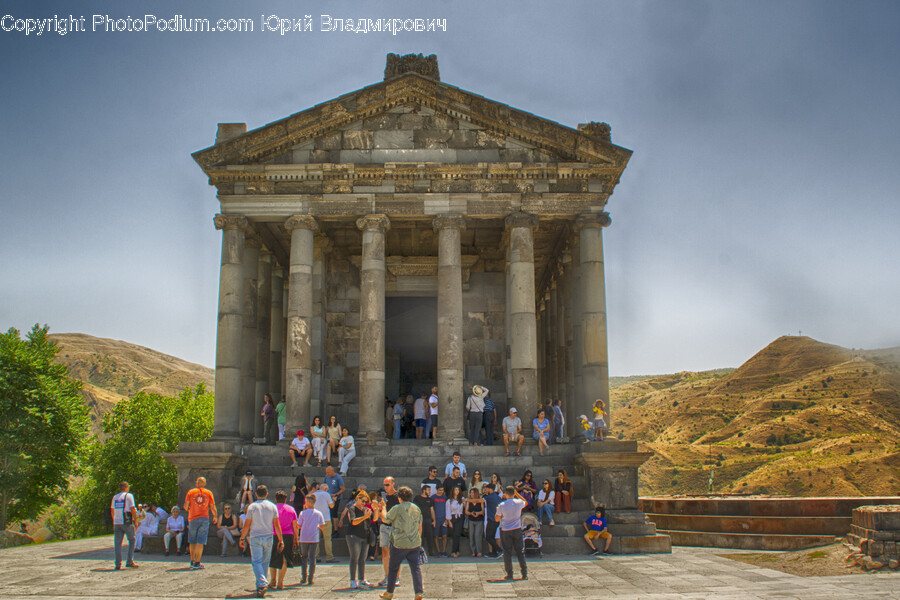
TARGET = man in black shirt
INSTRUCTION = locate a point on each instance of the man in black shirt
(432, 482)
(426, 505)
(455, 480)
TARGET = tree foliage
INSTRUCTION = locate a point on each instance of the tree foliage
(139, 430)
(43, 425)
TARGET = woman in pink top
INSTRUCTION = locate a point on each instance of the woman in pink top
(290, 530)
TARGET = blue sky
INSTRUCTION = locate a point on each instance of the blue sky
(763, 196)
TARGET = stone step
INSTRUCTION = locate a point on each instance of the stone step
(404, 448)
(747, 541)
(829, 526)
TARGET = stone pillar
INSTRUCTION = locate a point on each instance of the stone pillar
(540, 331)
(298, 368)
(321, 247)
(552, 342)
(371, 327)
(276, 334)
(594, 358)
(226, 419)
(569, 399)
(523, 325)
(578, 402)
(450, 330)
(249, 414)
(561, 347)
(263, 334)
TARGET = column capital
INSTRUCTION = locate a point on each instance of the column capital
(521, 219)
(601, 219)
(374, 223)
(301, 222)
(231, 222)
(252, 240)
(449, 221)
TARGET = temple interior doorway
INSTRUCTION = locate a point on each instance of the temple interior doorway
(410, 340)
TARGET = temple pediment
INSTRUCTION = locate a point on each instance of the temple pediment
(413, 119)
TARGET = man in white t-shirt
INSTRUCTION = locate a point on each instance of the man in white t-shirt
(512, 431)
(259, 527)
(300, 446)
(324, 504)
(431, 425)
(124, 515)
(509, 515)
(420, 415)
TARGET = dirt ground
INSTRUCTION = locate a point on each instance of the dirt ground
(812, 562)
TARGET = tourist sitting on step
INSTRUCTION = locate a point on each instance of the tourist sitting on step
(512, 431)
(227, 528)
(595, 525)
(562, 485)
(546, 502)
(149, 526)
(588, 427)
(347, 451)
(456, 462)
(300, 447)
(541, 430)
(319, 441)
(527, 488)
(247, 494)
(174, 529)
(333, 435)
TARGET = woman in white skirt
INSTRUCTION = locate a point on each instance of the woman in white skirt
(347, 451)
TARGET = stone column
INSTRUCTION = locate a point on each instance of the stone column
(523, 324)
(298, 368)
(249, 414)
(561, 348)
(569, 400)
(594, 358)
(321, 247)
(276, 334)
(577, 337)
(371, 327)
(263, 334)
(552, 342)
(226, 418)
(450, 330)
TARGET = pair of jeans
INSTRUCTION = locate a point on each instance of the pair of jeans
(260, 556)
(308, 552)
(545, 509)
(269, 432)
(475, 421)
(178, 538)
(512, 543)
(476, 535)
(358, 548)
(411, 556)
(345, 456)
(227, 538)
(488, 420)
(456, 523)
(118, 532)
(397, 428)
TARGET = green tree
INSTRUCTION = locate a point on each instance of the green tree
(139, 430)
(43, 425)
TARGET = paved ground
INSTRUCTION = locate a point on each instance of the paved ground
(83, 568)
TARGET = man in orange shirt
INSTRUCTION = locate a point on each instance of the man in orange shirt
(200, 505)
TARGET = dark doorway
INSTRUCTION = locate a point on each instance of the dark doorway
(410, 340)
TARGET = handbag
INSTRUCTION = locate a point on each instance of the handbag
(296, 558)
(423, 556)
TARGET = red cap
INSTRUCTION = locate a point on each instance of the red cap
(300, 433)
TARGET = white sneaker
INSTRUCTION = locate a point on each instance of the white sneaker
(353, 584)
(364, 583)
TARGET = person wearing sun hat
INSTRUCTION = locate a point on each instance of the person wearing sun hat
(474, 410)
(300, 446)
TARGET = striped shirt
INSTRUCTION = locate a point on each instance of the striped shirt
(489, 404)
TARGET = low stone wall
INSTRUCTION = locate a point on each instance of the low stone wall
(874, 538)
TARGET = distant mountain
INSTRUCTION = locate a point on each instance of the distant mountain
(111, 370)
(800, 417)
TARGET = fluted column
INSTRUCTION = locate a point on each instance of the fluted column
(561, 350)
(371, 327)
(263, 334)
(276, 333)
(569, 399)
(579, 404)
(321, 247)
(298, 368)
(594, 358)
(249, 414)
(450, 330)
(552, 342)
(226, 416)
(522, 315)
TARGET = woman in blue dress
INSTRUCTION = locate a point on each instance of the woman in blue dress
(541, 430)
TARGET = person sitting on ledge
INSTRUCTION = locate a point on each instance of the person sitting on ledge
(174, 529)
(300, 446)
(595, 525)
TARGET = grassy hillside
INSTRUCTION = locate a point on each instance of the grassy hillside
(111, 370)
(800, 417)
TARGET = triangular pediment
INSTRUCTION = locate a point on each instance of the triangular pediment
(412, 119)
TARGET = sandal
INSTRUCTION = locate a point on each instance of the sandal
(386, 596)
(507, 452)
(518, 453)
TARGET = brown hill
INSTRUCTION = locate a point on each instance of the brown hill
(111, 370)
(800, 417)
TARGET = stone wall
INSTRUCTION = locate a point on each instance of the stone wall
(875, 537)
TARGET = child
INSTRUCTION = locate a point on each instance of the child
(588, 428)
(599, 420)
(595, 526)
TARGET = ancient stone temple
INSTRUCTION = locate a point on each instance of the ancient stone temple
(406, 235)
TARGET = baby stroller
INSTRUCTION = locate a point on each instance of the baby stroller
(531, 535)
